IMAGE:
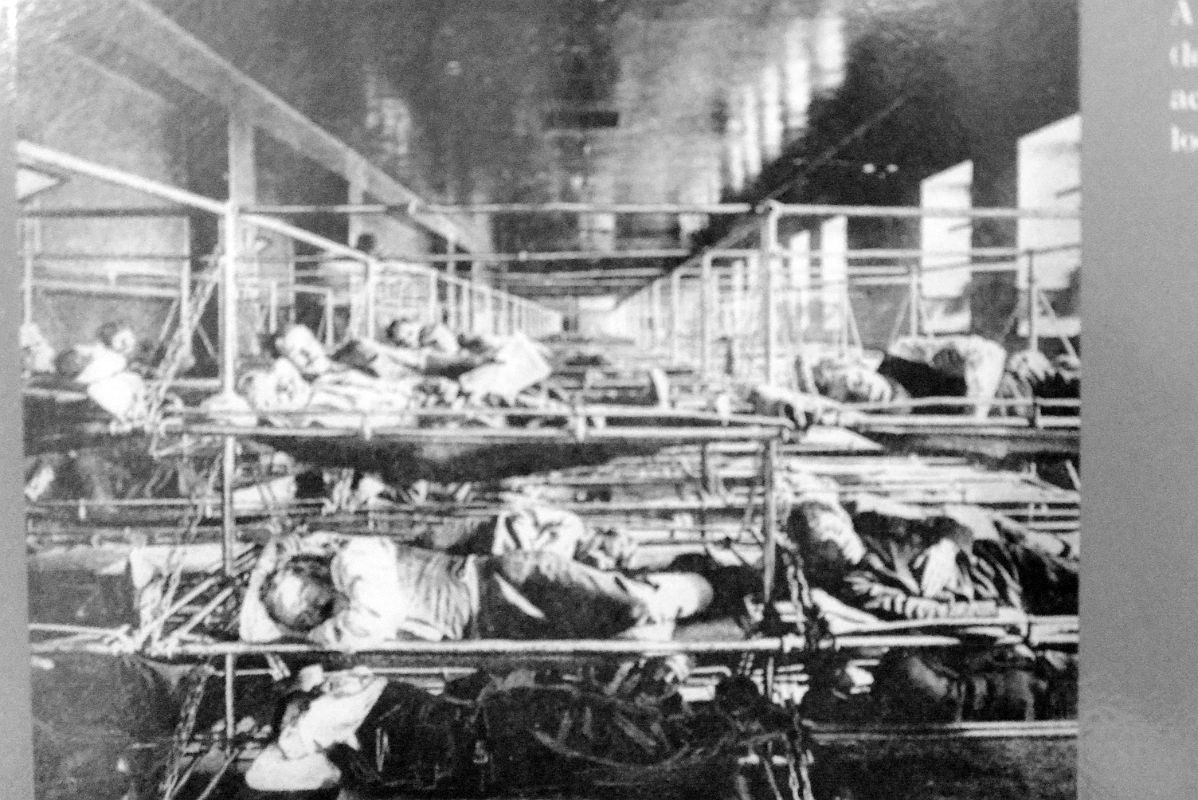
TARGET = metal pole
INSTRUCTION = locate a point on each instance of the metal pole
(769, 455)
(329, 314)
(230, 711)
(228, 306)
(370, 300)
(185, 307)
(675, 314)
(1033, 327)
(432, 298)
(272, 307)
(706, 309)
(229, 443)
(228, 471)
(769, 323)
(654, 315)
(27, 287)
(914, 304)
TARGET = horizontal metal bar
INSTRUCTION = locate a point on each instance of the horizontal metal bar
(104, 212)
(44, 155)
(631, 436)
(577, 413)
(558, 255)
(957, 423)
(72, 287)
(481, 649)
(965, 402)
(505, 208)
(826, 733)
(108, 256)
(919, 212)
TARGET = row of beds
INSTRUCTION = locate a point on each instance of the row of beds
(683, 484)
(703, 498)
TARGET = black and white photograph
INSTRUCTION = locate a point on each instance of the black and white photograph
(563, 399)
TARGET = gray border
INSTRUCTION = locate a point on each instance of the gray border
(1140, 435)
(16, 743)
(1140, 679)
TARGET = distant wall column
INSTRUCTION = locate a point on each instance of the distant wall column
(796, 76)
(834, 271)
(771, 113)
(750, 131)
(243, 191)
(944, 244)
(799, 282)
(1050, 177)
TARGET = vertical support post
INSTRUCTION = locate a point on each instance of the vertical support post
(329, 316)
(228, 299)
(27, 286)
(185, 307)
(185, 295)
(737, 321)
(769, 322)
(230, 711)
(370, 299)
(243, 190)
(1033, 303)
(914, 305)
(272, 306)
(706, 310)
(675, 314)
(228, 545)
(477, 298)
(769, 523)
(655, 314)
(846, 312)
(432, 297)
(228, 319)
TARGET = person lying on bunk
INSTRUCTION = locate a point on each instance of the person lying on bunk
(898, 562)
(970, 367)
(409, 350)
(356, 592)
(109, 373)
(511, 367)
(303, 378)
(511, 734)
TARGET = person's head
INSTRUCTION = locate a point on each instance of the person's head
(824, 534)
(299, 345)
(119, 337)
(300, 595)
(404, 332)
(70, 363)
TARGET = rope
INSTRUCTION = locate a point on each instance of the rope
(173, 778)
(195, 517)
(174, 358)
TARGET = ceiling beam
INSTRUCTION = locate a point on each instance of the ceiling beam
(169, 47)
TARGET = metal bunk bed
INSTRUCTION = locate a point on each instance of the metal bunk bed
(183, 629)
